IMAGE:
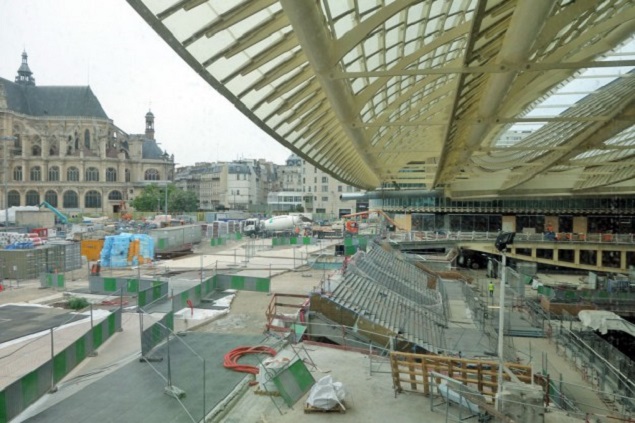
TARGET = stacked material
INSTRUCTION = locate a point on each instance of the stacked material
(36, 239)
(127, 250)
(14, 239)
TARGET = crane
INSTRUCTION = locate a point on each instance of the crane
(60, 216)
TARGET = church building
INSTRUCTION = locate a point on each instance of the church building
(58, 145)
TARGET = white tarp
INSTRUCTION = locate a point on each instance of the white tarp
(326, 394)
(12, 210)
(603, 321)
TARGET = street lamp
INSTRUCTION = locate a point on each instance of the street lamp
(6, 180)
(502, 241)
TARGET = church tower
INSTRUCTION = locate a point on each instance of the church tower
(150, 125)
(25, 76)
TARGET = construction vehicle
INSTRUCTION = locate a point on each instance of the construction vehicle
(60, 216)
(285, 223)
(392, 225)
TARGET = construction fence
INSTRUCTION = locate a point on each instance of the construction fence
(20, 394)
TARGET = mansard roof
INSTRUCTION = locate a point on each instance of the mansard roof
(55, 101)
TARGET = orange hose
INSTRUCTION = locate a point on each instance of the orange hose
(231, 358)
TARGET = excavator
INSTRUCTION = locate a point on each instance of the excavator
(60, 216)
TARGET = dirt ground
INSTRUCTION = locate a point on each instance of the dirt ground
(247, 313)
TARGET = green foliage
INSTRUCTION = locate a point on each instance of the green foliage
(299, 208)
(153, 199)
(78, 303)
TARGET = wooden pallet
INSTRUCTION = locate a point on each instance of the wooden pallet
(337, 409)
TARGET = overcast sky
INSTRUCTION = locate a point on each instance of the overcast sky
(106, 44)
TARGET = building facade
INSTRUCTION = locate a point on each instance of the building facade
(59, 146)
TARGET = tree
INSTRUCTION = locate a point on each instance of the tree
(152, 198)
(299, 208)
(183, 201)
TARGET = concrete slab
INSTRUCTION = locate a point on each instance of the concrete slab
(143, 385)
(21, 320)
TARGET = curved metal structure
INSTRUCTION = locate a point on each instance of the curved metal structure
(418, 93)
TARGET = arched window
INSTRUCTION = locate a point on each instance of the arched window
(14, 199)
(36, 151)
(53, 149)
(87, 138)
(70, 200)
(92, 200)
(17, 173)
(36, 174)
(72, 174)
(111, 175)
(92, 174)
(152, 175)
(127, 172)
(54, 173)
(115, 195)
(32, 198)
(51, 198)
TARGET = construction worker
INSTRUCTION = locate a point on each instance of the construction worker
(490, 287)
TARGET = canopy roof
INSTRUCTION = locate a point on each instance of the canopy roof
(418, 93)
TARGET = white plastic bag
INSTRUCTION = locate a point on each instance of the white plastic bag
(326, 394)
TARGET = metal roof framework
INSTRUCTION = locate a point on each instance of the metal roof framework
(417, 93)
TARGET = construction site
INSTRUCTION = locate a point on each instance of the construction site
(268, 329)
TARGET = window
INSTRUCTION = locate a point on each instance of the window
(36, 174)
(115, 195)
(92, 174)
(53, 150)
(36, 151)
(71, 200)
(325, 179)
(325, 188)
(127, 173)
(51, 198)
(72, 175)
(32, 198)
(92, 200)
(339, 188)
(325, 199)
(17, 173)
(111, 175)
(87, 138)
(315, 179)
(151, 175)
(54, 174)
(14, 199)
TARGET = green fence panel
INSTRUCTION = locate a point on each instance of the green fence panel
(306, 240)
(293, 240)
(156, 334)
(133, 285)
(237, 282)
(156, 292)
(362, 242)
(111, 324)
(161, 243)
(97, 336)
(59, 367)
(262, 284)
(60, 281)
(3, 407)
(80, 349)
(110, 284)
(197, 292)
(348, 242)
(185, 295)
(29, 389)
(239, 236)
(157, 283)
(141, 300)
(349, 250)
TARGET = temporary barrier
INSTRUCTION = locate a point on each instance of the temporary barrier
(19, 395)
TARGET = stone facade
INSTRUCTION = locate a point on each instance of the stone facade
(59, 146)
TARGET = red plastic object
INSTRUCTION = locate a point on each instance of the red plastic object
(231, 358)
